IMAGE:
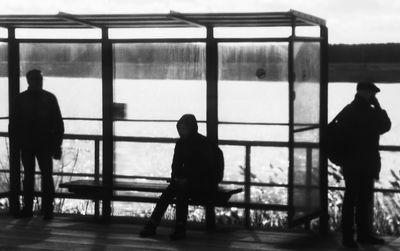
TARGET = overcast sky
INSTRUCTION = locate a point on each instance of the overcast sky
(349, 21)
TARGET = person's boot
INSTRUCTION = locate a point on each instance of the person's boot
(179, 232)
(25, 213)
(370, 239)
(148, 230)
(348, 240)
(349, 243)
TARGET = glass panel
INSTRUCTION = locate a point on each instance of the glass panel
(253, 106)
(270, 165)
(389, 176)
(253, 132)
(143, 159)
(306, 109)
(234, 157)
(118, 33)
(4, 146)
(154, 85)
(72, 72)
(268, 220)
(253, 91)
(58, 33)
(269, 195)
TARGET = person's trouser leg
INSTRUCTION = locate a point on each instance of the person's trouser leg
(364, 207)
(182, 203)
(45, 162)
(28, 161)
(350, 199)
(162, 203)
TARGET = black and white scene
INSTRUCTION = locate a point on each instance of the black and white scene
(200, 125)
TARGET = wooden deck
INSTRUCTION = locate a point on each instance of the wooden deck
(76, 233)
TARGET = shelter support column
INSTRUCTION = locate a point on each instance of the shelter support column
(324, 218)
(212, 102)
(108, 149)
(13, 91)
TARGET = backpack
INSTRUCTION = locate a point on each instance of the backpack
(219, 164)
(335, 143)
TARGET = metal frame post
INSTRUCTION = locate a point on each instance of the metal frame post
(324, 218)
(108, 144)
(291, 78)
(13, 91)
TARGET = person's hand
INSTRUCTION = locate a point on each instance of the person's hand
(375, 103)
(57, 153)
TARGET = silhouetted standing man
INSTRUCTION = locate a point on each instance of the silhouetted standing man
(192, 176)
(37, 127)
(364, 121)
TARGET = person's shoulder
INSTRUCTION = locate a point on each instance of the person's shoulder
(49, 95)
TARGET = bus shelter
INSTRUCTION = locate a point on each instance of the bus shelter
(260, 93)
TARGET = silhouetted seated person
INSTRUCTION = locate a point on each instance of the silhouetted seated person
(192, 176)
(37, 127)
(364, 121)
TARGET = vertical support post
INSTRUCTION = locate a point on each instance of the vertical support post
(108, 148)
(13, 91)
(247, 187)
(96, 174)
(291, 79)
(309, 196)
(212, 103)
(324, 218)
(212, 85)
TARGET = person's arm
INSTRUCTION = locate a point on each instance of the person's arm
(58, 128)
(383, 121)
(177, 162)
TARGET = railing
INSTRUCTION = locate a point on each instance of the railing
(247, 183)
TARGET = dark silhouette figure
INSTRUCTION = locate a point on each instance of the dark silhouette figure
(363, 121)
(192, 177)
(37, 127)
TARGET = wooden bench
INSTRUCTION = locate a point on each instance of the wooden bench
(92, 189)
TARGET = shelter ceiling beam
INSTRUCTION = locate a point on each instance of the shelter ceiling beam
(179, 16)
(70, 17)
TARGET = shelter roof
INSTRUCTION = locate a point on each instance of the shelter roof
(169, 20)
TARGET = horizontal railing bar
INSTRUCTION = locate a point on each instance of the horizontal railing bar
(252, 123)
(311, 127)
(379, 190)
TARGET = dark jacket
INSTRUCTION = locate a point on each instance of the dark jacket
(36, 122)
(363, 126)
(192, 160)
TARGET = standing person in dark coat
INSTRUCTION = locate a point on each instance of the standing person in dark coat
(37, 127)
(364, 121)
(191, 176)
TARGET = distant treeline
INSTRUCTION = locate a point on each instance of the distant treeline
(244, 61)
(364, 53)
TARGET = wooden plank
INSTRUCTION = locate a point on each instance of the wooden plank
(71, 233)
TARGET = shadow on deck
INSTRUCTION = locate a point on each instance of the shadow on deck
(77, 233)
